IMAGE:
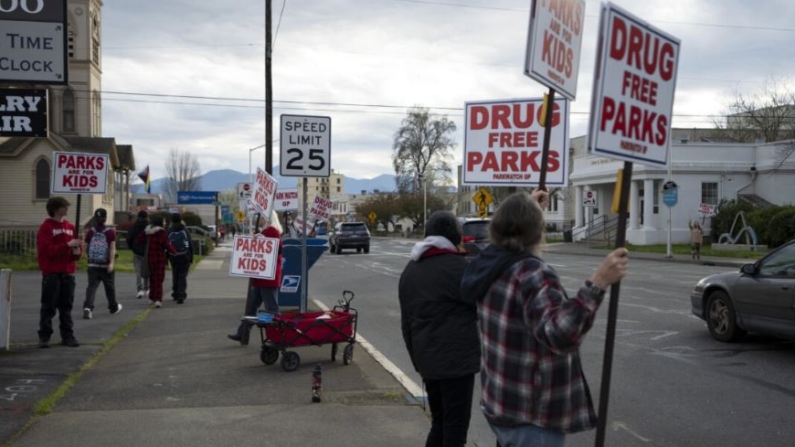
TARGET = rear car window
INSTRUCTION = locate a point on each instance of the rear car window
(349, 228)
(480, 230)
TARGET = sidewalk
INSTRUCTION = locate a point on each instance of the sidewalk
(176, 379)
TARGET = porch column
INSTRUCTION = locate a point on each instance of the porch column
(634, 205)
(648, 204)
(577, 207)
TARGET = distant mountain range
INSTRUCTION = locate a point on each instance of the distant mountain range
(227, 179)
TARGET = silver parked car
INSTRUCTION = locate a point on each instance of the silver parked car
(759, 298)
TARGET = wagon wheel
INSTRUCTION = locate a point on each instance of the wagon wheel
(347, 354)
(268, 355)
(334, 350)
(290, 361)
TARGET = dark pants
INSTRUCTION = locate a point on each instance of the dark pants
(257, 296)
(179, 277)
(57, 295)
(98, 275)
(451, 407)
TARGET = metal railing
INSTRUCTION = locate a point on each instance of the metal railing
(601, 229)
(18, 241)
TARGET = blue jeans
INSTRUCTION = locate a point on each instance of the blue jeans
(527, 436)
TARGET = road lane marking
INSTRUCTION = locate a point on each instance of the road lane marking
(413, 389)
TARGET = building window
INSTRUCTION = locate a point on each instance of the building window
(338, 189)
(42, 179)
(554, 207)
(656, 200)
(69, 110)
(338, 180)
(709, 193)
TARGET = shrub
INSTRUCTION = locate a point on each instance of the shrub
(759, 220)
(782, 226)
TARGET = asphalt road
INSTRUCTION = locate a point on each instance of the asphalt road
(673, 385)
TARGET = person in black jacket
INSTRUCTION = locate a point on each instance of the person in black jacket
(136, 241)
(181, 259)
(440, 328)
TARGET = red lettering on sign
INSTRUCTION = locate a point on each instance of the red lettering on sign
(504, 116)
(641, 49)
(80, 181)
(510, 161)
(633, 122)
(557, 54)
(250, 264)
(513, 139)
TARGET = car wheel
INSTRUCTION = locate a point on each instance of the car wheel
(367, 249)
(722, 319)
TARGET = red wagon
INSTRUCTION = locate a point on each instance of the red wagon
(309, 329)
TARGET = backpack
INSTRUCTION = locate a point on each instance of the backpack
(180, 240)
(136, 240)
(99, 247)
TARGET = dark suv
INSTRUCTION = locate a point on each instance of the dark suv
(349, 235)
(476, 234)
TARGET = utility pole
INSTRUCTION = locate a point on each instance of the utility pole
(268, 91)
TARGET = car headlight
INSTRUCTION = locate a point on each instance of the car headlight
(699, 287)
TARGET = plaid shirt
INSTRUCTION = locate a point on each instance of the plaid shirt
(530, 364)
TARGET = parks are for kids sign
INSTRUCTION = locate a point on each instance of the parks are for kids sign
(503, 141)
(254, 257)
(76, 173)
(633, 90)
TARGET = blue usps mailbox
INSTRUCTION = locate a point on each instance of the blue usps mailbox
(290, 290)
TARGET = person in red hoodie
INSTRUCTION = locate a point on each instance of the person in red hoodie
(57, 249)
(261, 291)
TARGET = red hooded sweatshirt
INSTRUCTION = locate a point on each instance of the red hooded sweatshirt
(53, 254)
(277, 280)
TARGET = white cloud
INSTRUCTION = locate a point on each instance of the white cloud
(386, 53)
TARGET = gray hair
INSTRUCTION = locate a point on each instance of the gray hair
(518, 224)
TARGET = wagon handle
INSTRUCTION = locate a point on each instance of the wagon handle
(345, 294)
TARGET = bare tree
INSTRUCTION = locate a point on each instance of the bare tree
(768, 115)
(183, 174)
(422, 149)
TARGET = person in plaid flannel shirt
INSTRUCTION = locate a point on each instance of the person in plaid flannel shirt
(533, 387)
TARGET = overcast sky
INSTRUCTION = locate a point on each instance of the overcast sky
(190, 74)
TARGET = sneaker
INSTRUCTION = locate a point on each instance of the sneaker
(180, 301)
(71, 342)
(158, 304)
(146, 293)
(118, 309)
(140, 294)
(87, 314)
(44, 343)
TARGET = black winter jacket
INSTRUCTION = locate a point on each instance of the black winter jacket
(132, 234)
(439, 326)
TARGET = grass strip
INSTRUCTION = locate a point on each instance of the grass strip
(46, 405)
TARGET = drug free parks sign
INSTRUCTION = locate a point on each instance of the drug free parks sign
(503, 142)
(75, 173)
(633, 89)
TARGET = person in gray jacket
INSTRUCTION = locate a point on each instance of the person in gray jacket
(440, 328)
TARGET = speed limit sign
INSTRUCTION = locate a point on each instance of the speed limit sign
(305, 143)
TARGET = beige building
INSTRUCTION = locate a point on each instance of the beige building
(332, 188)
(75, 124)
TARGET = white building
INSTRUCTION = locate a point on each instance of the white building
(704, 172)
